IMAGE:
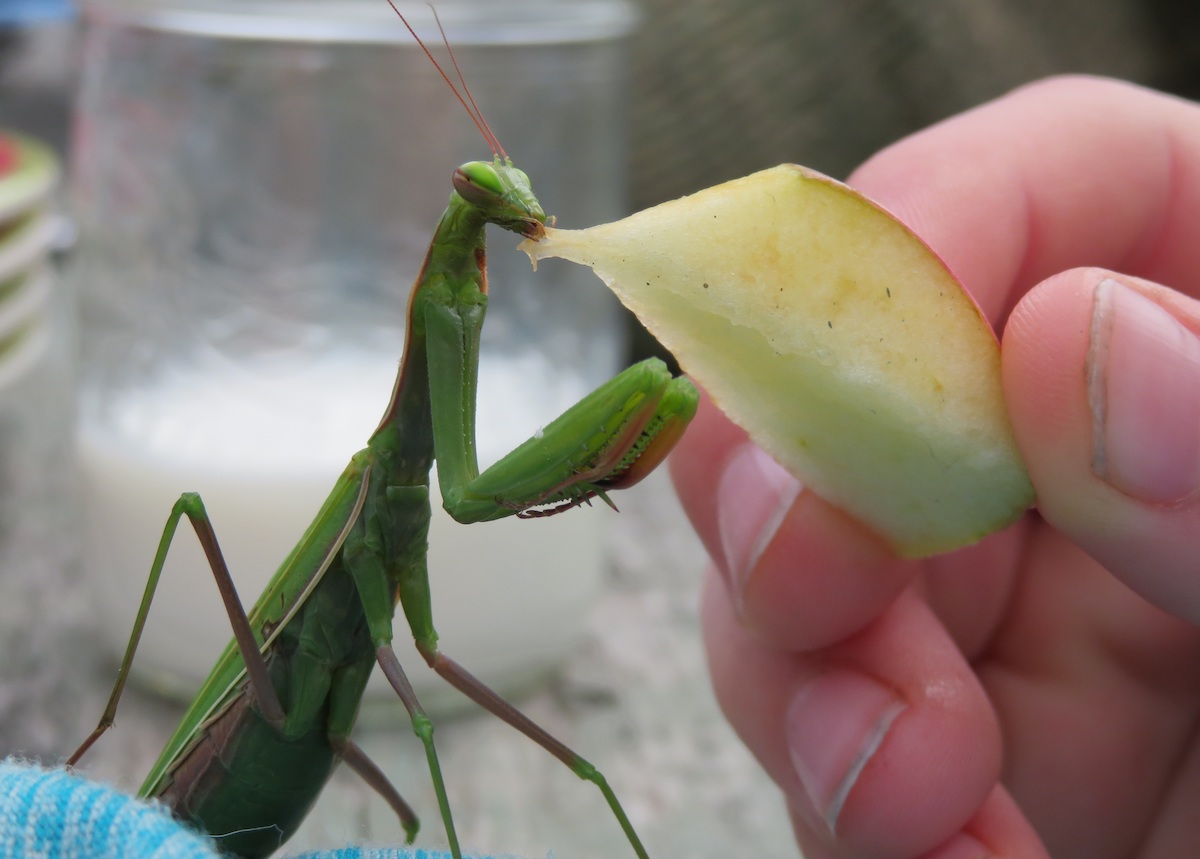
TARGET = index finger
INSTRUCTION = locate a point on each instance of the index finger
(1065, 173)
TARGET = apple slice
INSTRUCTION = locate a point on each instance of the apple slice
(835, 337)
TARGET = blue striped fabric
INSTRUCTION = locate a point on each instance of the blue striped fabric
(54, 814)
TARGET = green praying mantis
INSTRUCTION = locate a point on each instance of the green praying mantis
(275, 715)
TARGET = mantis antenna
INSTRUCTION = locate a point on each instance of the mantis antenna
(464, 96)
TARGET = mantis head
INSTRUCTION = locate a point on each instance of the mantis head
(502, 195)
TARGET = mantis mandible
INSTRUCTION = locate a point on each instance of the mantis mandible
(275, 714)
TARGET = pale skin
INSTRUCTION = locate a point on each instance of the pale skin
(1038, 694)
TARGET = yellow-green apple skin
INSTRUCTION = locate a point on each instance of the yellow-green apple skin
(833, 335)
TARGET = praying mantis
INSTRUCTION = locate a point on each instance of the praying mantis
(275, 715)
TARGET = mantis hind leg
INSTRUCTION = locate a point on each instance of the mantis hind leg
(354, 757)
(190, 505)
(345, 695)
(485, 697)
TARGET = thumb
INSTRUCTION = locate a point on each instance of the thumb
(1102, 376)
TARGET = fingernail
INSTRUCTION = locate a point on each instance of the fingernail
(1144, 394)
(835, 725)
(755, 494)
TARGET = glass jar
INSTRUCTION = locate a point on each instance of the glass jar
(256, 184)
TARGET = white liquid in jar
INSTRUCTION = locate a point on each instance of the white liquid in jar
(263, 451)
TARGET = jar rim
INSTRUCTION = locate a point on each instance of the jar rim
(466, 22)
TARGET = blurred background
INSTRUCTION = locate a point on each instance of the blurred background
(721, 88)
(715, 89)
(725, 87)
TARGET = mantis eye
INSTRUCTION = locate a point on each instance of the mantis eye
(477, 182)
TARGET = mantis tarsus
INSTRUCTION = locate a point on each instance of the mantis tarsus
(274, 716)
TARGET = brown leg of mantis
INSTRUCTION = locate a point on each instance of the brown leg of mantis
(423, 727)
(485, 697)
(353, 755)
(190, 505)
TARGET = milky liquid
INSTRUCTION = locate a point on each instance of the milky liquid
(264, 450)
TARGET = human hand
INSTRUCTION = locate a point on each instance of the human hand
(1036, 694)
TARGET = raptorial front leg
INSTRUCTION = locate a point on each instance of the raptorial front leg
(609, 440)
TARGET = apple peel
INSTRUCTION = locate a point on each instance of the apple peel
(836, 337)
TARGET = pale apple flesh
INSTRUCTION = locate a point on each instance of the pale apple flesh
(836, 338)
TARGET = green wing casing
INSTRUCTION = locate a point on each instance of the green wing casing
(282, 596)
